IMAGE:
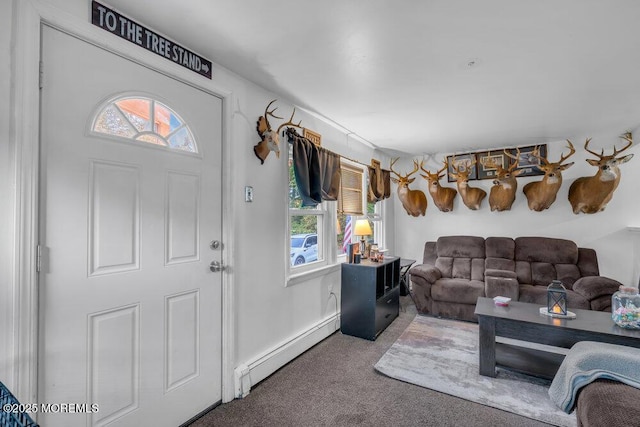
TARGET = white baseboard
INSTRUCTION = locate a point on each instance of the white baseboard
(254, 371)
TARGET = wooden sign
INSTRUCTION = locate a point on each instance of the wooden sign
(312, 136)
(115, 23)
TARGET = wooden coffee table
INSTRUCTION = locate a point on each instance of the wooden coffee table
(523, 322)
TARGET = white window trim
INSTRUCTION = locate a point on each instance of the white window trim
(365, 174)
(328, 210)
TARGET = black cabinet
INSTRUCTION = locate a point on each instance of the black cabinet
(370, 297)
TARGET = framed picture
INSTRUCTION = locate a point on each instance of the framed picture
(494, 156)
(528, 163)
(461, 161)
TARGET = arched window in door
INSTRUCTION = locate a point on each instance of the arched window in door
(144, 120)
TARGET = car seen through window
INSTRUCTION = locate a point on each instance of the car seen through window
(304, 248)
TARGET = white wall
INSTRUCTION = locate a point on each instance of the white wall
(605, 232)
(267, 313)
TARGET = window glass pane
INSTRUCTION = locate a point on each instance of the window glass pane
(111, 122)
(137, 112)
(182, 140)
(304, 239)
(350, 198)
(146, 120)
(164, 120)
(151, 138)
(295, 201)
(344, 231)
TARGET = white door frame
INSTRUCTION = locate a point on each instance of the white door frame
(24, 140)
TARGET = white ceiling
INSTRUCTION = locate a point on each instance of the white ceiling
(427, 76)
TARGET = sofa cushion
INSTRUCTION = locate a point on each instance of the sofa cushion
(588, 262)
(596, 286)
(461, 257)
(429, 255)
(567, 274)
(542, 273)
(607, 403)
(500, 247)
(490, 272)
(538, 295)
(499, 264)
(461, 247)
(546, 249)
(459, 291)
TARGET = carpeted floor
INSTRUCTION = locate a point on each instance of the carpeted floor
(442, 355)
(335, 384)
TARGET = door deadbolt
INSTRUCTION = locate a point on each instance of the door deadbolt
(215, 244)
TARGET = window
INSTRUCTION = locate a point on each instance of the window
(318, 235)
(144, 120)
(346, 224)
(307, 226)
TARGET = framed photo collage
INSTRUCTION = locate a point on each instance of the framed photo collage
(528, 162)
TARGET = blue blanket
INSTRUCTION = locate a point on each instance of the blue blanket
(588, 361)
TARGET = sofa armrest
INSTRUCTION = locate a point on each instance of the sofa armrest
(501, 283)
(423, 276)
(427, 272)
(492, 272)
(592, 287)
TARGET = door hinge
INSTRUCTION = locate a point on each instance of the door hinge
(39, 258)
(41, 75)
(42, 258)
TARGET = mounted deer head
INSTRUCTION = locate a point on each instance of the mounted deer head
(269, 137)
(592, 193)
(413, 201)
(542, 194)
(471, 196)
(503, 192)
(442, 196)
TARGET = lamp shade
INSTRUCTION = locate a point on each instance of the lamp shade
(363, 228)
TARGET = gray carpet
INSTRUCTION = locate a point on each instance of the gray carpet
(442, 355)
(335, 384)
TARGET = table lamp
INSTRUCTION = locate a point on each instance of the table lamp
(362, 229)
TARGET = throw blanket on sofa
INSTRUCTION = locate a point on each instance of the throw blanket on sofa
(586, 362)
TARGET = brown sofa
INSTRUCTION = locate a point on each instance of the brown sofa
(456, 270)
(607, 403)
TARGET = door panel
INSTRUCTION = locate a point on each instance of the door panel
(130, 313)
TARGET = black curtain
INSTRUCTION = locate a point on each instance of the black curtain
(316, 169)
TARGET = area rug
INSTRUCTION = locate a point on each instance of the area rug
(442, 355)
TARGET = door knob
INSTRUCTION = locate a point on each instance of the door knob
(216, 266)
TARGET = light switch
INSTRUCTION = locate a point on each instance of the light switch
(248, 194)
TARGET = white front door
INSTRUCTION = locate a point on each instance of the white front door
(130, 312)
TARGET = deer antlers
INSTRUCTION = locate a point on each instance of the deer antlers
(463, 166)
(290, 122)
(269, 138)
(626, 136)
(437, 174)
(516, 158)
(415, 169)
(265, 117)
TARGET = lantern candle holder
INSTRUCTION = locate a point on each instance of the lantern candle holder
(557, 301)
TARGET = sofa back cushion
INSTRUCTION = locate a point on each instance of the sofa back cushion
(500, 253)
(461, 257)
(588, 262)
(539, 260)
(429, 255)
